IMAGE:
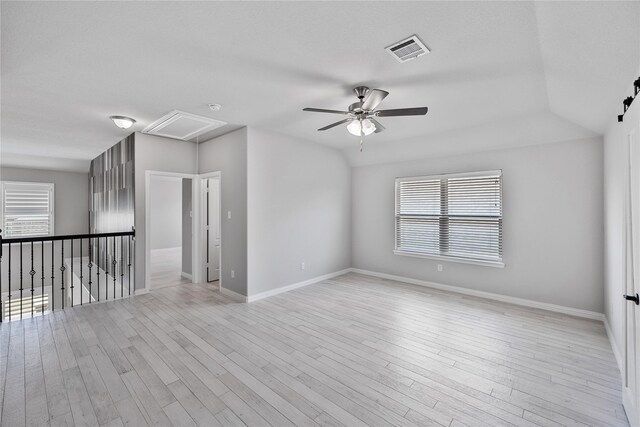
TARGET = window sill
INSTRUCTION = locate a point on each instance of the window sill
(485, 263)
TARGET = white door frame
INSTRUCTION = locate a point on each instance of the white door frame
(199, 240)
(147, 221)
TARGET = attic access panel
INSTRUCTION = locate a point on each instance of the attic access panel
(181, 125)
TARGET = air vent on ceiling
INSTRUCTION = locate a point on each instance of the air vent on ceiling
(407, 49)
(180, 125)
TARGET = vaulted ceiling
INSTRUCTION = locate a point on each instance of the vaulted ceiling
(525, 72)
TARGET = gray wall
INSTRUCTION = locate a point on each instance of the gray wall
(228, 154)
(111, 201)
(157, 154)
(71, 216)
(111, 185)
(553, 223)
(71, 195)
(299, 210)
(187, 231)
(165, 202)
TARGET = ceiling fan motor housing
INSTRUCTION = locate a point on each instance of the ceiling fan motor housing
(356, 108)
(361, 91)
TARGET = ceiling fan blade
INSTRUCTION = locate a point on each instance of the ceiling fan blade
(379, 127)
(418, 111)
(374, 98)
(322, 110)
(332, 125)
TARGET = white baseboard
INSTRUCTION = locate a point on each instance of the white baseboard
(186, 275)
(233, 294)
(614, 346)
(488, 295)
(262, 295)
(175, 249)
(141, 291)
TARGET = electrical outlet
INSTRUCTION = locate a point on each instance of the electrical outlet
(302, 265)
(440, 267)
(233, 274)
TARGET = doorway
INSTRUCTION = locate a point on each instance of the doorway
(169, 230)
(212, 244)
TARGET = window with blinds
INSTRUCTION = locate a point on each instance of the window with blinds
(27, 209)
(457, 216)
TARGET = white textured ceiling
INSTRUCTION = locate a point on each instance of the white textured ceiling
(557, 68)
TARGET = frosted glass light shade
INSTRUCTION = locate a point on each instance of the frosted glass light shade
(361, 127)
(368, 127)
(122, 122)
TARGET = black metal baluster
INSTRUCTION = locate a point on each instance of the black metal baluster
(81, 282)
(32, 273)
(62, 269)
(98, 265)
(42, 276)
(1, 307)
(71, 285)
(121, 267)
(135, 262)
(113, 271)
(106, 268)
(90, 265)
(9, 272)
(21, 289)
(129, 275)
(53, 275)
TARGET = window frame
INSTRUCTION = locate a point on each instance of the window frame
(458, 259)
(52, 209)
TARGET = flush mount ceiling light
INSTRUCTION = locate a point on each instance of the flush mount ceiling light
(215, 107)
(122, 122)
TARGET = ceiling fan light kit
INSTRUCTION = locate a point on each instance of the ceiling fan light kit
(361, 115)
(361, 127)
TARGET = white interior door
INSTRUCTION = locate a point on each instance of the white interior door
(213, 229)
(631, 379)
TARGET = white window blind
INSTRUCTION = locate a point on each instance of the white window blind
(27, 209)
(458, 216)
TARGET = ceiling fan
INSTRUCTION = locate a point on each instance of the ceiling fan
(361, 115)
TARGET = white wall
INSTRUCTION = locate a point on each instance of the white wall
(228, 155)
(158, 154)
(298, 210)
(165, 202)
(553, 222)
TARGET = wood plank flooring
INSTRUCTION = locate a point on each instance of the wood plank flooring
(166, 268)
(350, 351)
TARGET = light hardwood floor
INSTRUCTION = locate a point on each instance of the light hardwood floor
(349, 351)
(166, 268)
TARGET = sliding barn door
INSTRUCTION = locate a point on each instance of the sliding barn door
(631, 379)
